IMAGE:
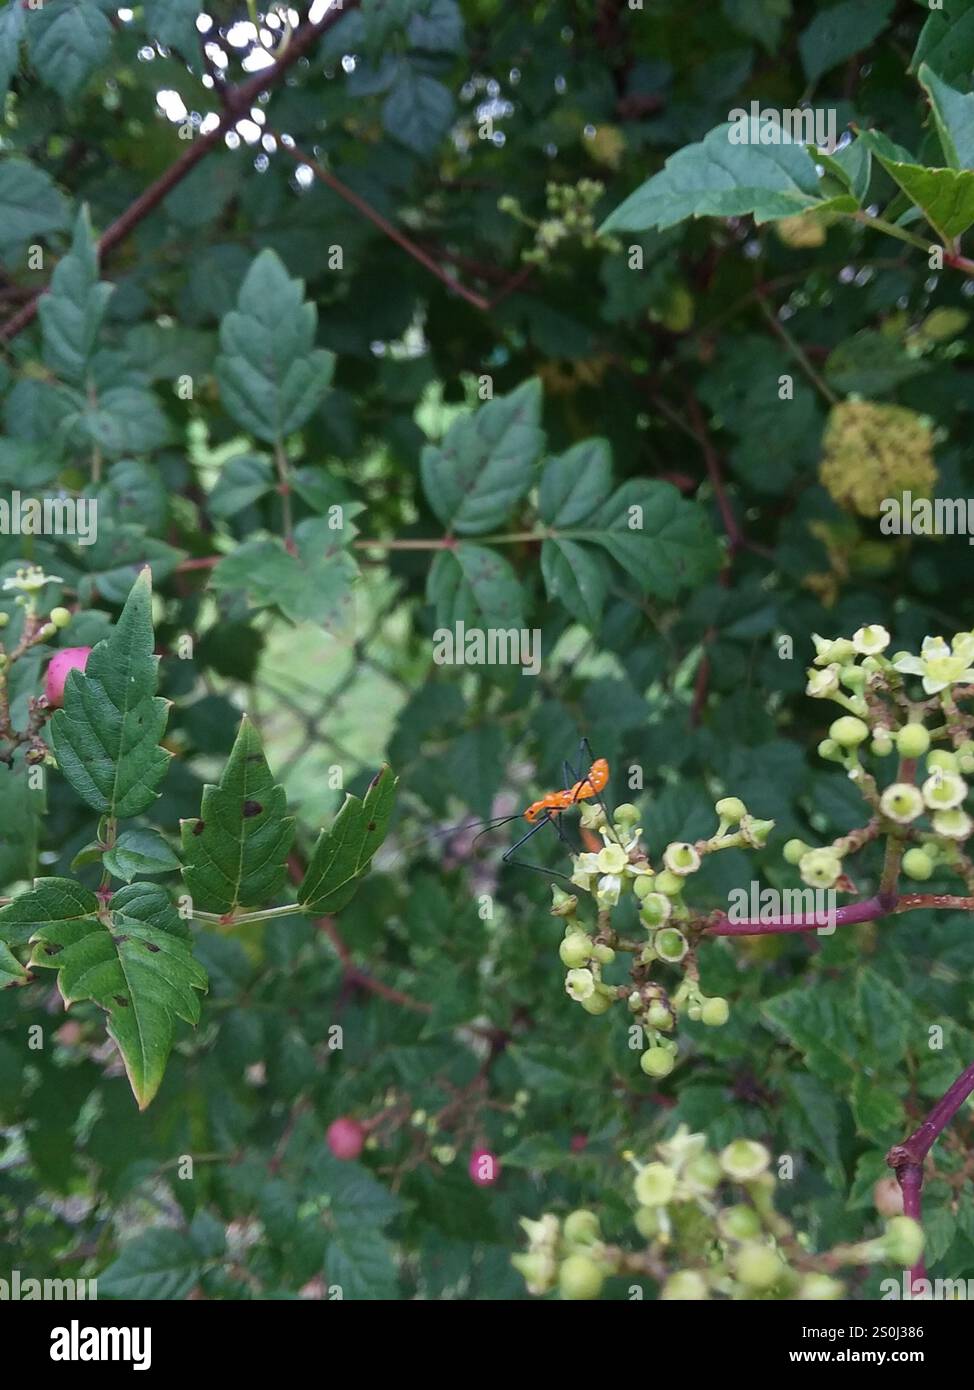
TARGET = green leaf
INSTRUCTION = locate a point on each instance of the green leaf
(946, 41)
(130, 957)
(418, 110)
(759, 19)
(11, 33)
(659, 538)
(106, 738)
(877, 1113)
(475, 585)
(270, 374)
(118, 551)
(871, 363)
(436, 26)
(243, 480)
(30, 204)
(140, 852)
(719, 178)
(575, 483)
(236, 852)
(816, 1022)
(173, 23)
(68, 40)
(837, 33)
(485, 463)
(71, 312)
(577, 577)
(11, 970)
(313, 584)
(884, 1017)
(122, 420)
(344, 851)
(953, 114)
(944, 196)
(359, 1260)
(158, 1264)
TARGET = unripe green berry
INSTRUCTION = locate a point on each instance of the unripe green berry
(597, 1003)
(882, 743)
(603, 954)
(4, 619)
(669, 883)
(848, 731)
(903, 1240)
(694, 1011)
(820, 868)
(941, 758)
(627, 813)
(730, 808)
(902, 802)
(656, 910)
(917, 864)
(715, 1012)
(48, 631)
(647, 1222)
(758, 1266)
(644, 885)
(818, 1288)
(580, 984)
(739, 1222)
(744, 1159)
(60, 617)
(703, 1172)
(912, 741)
(654, 1185)
(657, 1062)
(793, 850)
(580, 1278)
(685, 1285)
(830, 751)
(581, 1227)
(670, 945)
(659, 1016)
(575, 950)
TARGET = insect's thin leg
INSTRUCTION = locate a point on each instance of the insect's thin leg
(506, 856)
(586, 747)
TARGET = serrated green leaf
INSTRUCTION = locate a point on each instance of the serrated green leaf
(883, 1018)
(718, 178)
(837, 33)
(485, 463)
(68, 40)
(359, 1261)
(106, 738)
(436, 26)
(121, 420)
(72, 311)
(173, 23)
(344, 851)
(871, 363)
(576, 575)
(11, 970)
(574, 483)
(946, 41)
(953, 114)
(130, 957)
(139, 852)
(314, 583)
(270, 374)
(158, 1264)
(658, 537)
(243, 480)
(418, 110)
(30, 204)
(236, 851)
(475, 585)
(944, 196)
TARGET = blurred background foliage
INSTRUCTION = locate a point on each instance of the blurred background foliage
(432, 111)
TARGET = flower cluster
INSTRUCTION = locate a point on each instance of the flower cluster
(711, 1230)
(571, 216)
(622, 867)
(903, 704)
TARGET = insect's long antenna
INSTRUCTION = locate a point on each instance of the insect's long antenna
(458, 830)
(495, 825)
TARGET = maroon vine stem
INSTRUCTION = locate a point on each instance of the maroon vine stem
(906, 1159)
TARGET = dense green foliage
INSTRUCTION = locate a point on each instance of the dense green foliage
(479, 318)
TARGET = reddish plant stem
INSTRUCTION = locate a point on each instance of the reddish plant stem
(907, 1159)
(237, 101)
(396, 235)
(867, 910)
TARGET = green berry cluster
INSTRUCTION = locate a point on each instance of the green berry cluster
(711, 1230)
(904, 704)
(570, 216)
(672, 929)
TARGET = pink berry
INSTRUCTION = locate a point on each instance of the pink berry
(345, 1137)
(67, 659)
(578, 1143)
(484, 1167)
